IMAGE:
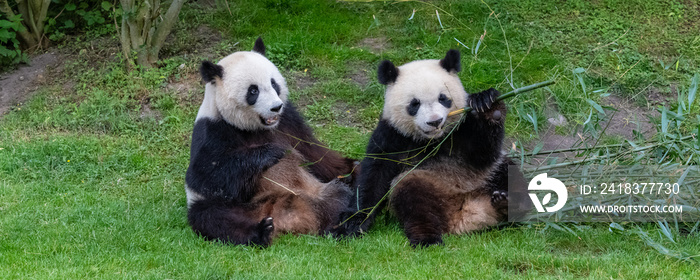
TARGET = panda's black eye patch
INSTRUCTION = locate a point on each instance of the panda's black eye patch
(413, 107)
(275, 86)
(445, 101)
(252, 95)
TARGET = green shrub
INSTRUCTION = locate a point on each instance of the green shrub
(10, 52)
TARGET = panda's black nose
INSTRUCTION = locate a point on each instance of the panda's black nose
(435, 123)
(276, 109)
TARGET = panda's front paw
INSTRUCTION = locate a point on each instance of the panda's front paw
(486, 103)
(483, 101)
(352, 224)
(271, 154)
(499, 198)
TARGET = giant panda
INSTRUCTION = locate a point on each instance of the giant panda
(256, 171)
(460, 187)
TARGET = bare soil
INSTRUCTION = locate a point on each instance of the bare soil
(375, 45)
(359, 73)
(16, 86)
(624, 119)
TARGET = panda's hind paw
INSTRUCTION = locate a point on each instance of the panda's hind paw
(264, 232)
(499, 197)
(426, 241)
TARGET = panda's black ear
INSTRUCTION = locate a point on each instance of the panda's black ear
(259, 46)
(210, 71)
(387, 72)
(451, 62)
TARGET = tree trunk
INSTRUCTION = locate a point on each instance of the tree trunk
(33, 16)
(144, 30)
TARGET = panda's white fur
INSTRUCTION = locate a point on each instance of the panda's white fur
(423, 80)
(223, 98)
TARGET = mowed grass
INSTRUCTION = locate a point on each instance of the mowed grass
(92, 167)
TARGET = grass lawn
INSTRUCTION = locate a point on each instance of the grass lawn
(92, 167)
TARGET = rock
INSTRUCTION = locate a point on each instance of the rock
(558, 120)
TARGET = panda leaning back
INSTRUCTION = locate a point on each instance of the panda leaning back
(256, 171)
(457, 187)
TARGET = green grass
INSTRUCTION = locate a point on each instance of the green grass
(93, 187)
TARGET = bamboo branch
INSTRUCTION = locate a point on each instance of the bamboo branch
(508, 95)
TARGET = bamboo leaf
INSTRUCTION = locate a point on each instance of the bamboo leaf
(577, 73)
(589, 117)
(596, 106)
(693, 90)
(664, 120)
(678, 116)
(537, 148)
(666, 231)
(615, 226)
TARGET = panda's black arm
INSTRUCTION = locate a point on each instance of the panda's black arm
(479, 138)
(230, 175)
(222, 165)
(327, 164)
(379, 167)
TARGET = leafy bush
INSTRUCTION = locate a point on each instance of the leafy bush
(90, 16)
(10, 52)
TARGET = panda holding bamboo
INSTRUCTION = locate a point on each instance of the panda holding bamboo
(256, 171)
(459, 187)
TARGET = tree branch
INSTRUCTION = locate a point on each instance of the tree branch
(24, 34)
(163, 29)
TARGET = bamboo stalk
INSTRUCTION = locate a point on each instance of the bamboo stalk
(508, 95)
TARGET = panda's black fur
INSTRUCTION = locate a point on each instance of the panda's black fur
(248, 185)
(460, 188)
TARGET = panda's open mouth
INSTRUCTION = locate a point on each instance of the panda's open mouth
(270, 121)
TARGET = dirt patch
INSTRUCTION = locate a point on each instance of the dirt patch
(16, 86)
(359, 74)
(656, 97)
(202, 42)
(628, 118)
(147, 112)
(188, 88)
(346, 114)
(375, 45)
(298, 81)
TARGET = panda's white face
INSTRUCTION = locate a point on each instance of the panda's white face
(250, 94)
(418, 102)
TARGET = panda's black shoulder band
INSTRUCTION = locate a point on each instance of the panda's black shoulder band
(387, 72)
(210, 71)
(259, 46)
(451, 62)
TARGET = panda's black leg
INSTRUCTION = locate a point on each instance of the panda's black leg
(498, 198)
(418, 205)
(235, 224)
(509, 189)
